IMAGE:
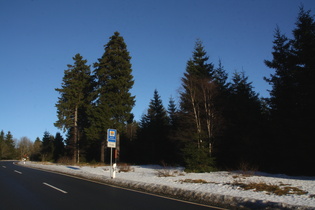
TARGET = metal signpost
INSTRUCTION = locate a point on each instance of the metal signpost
(111, 142)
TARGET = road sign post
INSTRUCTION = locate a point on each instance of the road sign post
(111, 142)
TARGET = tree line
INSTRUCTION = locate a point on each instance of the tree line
(216, 124)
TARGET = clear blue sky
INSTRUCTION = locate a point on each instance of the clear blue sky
(38, 38)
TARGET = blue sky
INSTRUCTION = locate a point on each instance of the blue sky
(38, 38)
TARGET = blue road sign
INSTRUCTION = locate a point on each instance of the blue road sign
(111, 135)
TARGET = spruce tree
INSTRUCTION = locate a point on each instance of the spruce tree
(172, 112)
(59, 147)
(1, 144)
(199, 109)
(198, 73)
(9, 146)
(72, 105)
(174, 144)
(243, 122)
(153, 133)
(114, 103)
(291, 101)
(36, 152)
(47, 148)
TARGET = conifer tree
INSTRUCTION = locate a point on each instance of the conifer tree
(198, 73)
(36, 152)
(243, 120)
(75, 97)
(47, 148)
(292, 104)
(153, 134)
(8, 150)
(1, 144)
(172, 113)
(199, 109)
(59, 147)
(174, 144)
(114, 103)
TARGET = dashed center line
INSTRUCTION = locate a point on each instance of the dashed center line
(19, 172)
(56, 188)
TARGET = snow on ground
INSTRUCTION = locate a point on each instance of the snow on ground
(217, 182)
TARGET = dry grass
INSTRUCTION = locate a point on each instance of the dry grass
(246, 169)
(124, 167)
(43, 163)
(198, 181)
(165, 173)
(270, 188)
(168, 173)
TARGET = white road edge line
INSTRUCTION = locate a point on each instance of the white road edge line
(19, 172)
(56, 188)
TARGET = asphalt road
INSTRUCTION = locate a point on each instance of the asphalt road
(26, 188)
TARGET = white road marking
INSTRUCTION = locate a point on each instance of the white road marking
(19, 172)
(56, 188)
(4, 167)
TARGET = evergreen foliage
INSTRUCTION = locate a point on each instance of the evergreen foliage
(59, 147)
(198, 102)
(7, 146)
(113, 105)
(75, 98)
(47, 148)
(36, 152)
(153, 133)
(291, 102)
(2, 146)
(243, 121)
(218, 124)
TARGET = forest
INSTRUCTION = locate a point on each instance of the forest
(217, 124)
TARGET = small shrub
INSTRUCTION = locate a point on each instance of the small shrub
(198, 160)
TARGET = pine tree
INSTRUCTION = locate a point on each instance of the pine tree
(243, 117)
(153, 134)
(220, 77)
(47, 148)
(1, 144)
(59, 147)
(8, 147)
(172, 112)
(114, 80)
(195, 81)
(292, 106)
(174, 144)
(199, 108)
(36, 152)
(75, 98)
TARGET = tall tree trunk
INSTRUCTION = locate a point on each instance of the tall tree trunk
(103, 151)
(75, 135)
(117, 148)
(196, 110)
(208, 92)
